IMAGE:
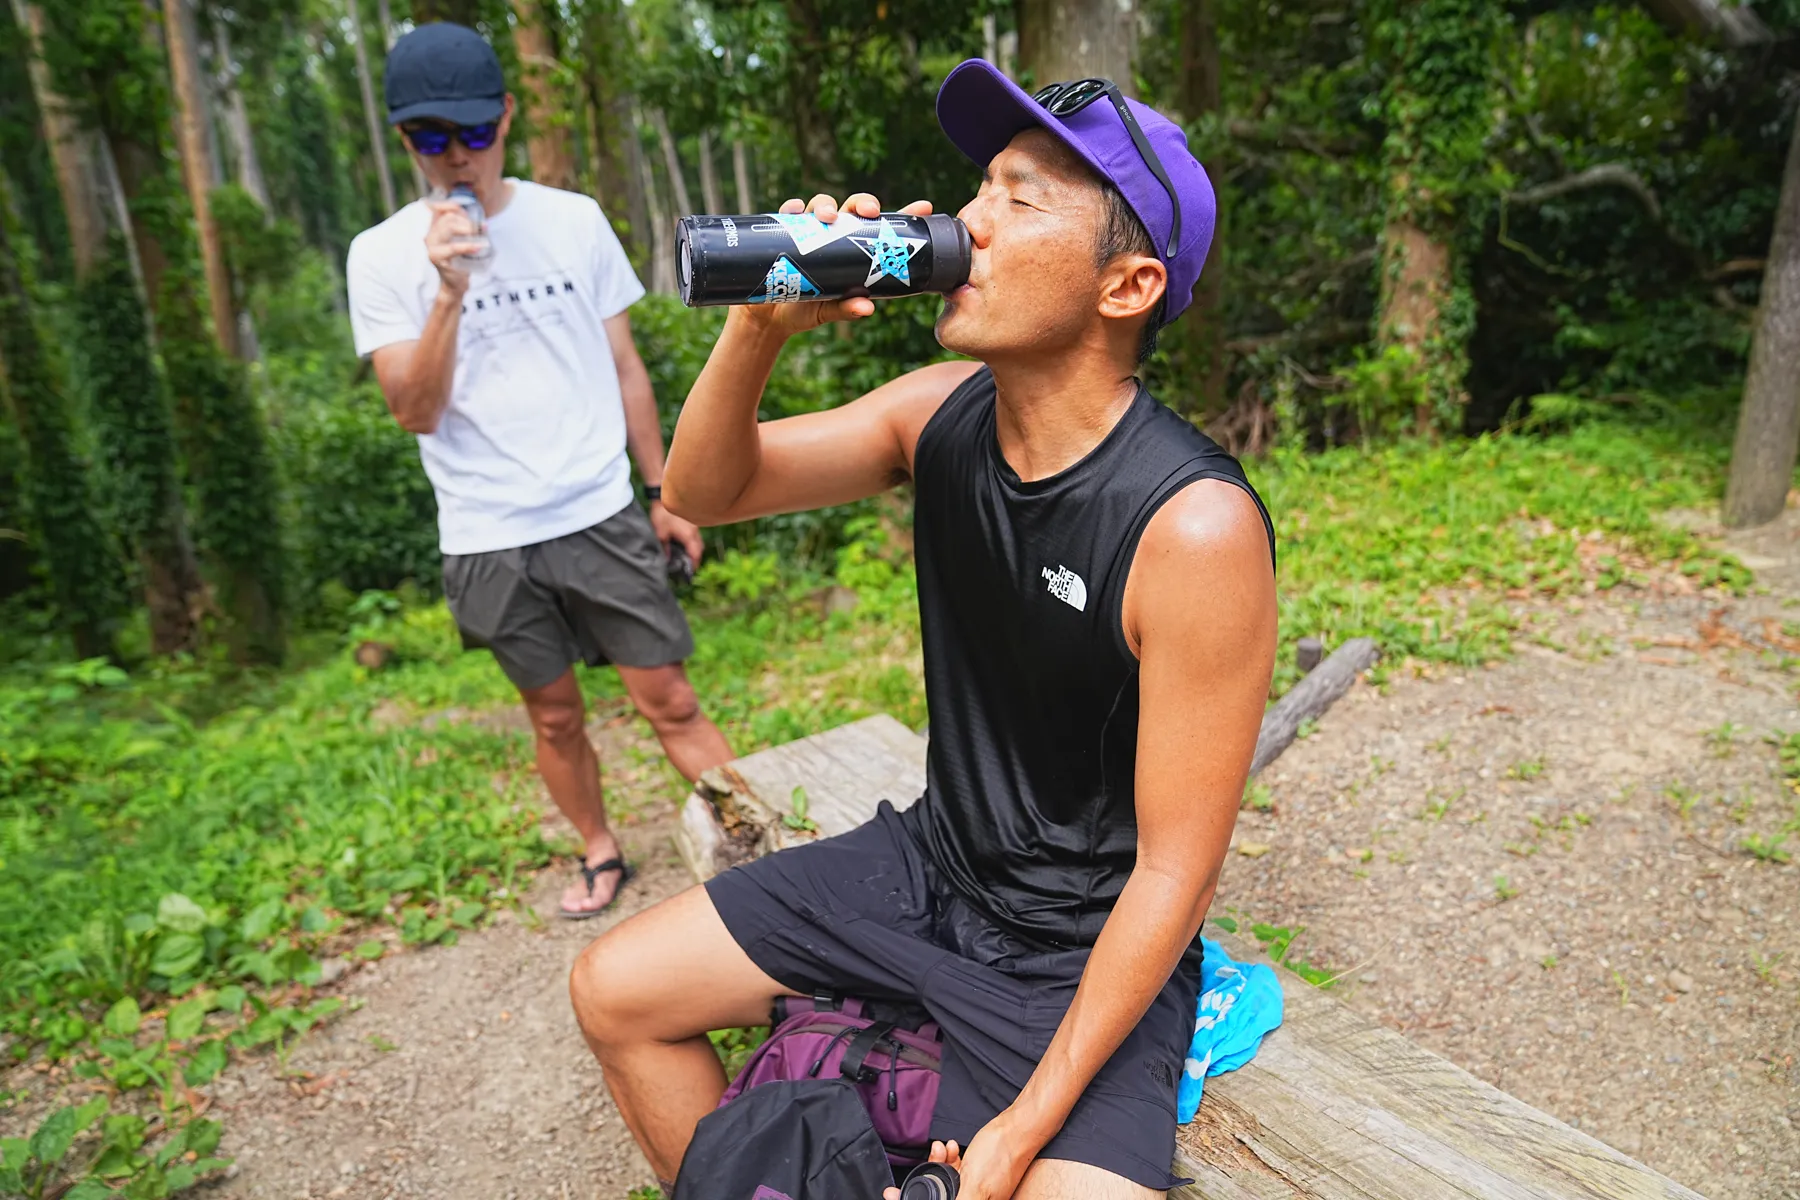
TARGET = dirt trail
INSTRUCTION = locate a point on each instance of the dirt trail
(1536, 870)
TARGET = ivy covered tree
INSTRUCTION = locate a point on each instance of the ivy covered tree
(107, 52)
(79, 558)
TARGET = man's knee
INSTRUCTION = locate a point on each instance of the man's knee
(560, 721)
(669, 702)
(603, 992)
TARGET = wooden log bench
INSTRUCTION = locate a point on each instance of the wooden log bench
(1333, 1107)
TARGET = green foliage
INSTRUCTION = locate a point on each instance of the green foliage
(79, 557)
(128, 406)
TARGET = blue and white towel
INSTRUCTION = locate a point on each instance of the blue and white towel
(1239, 1003)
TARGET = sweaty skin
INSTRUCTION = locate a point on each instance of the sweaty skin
(1060, 335)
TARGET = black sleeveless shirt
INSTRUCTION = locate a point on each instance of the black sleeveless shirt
(1029, 807)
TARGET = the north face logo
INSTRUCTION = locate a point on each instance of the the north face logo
(1066, 586)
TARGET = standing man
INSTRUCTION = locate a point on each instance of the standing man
(1097, 595)
(519, 375)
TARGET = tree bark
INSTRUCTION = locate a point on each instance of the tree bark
(1073, 39)
(709, 175)
(365, 84)
(385, 16)
(463, 12)
(550, 142)
(607, 39)
(678, 188)
(740, 170)
(662, 234)
(197, 166)
(237, 122)
(72, 150)
(1762, 459)
(1735, 25)
(815, 137)
(1202, 333)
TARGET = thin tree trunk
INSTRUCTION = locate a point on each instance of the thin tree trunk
(1199, 93)
(662, 233)
(1074, 39)
(1762, 459)
(71, 150)
(607, 44)
(384, 14)
(815, 138)
(551, 143)
(463, 12)
(237, 122)
(197, 166)
(740, 170)
(672, 160)
(709, 175)
(377, 131)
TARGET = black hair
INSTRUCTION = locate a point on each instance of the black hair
(1123, 233)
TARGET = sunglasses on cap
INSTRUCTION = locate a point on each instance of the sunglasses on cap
(1067, 99)
(432, 140)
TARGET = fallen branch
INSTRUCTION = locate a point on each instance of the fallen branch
(1309, 698)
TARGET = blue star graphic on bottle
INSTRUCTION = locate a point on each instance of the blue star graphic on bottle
(889, 254)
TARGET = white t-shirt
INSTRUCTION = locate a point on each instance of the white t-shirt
(532, 445)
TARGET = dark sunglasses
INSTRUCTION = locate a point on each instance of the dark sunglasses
(433, 140)
(1067, 99)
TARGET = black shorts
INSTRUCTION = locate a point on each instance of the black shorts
(866, 914)
(599, 595)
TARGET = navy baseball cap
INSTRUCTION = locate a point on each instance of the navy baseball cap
(981, 110)
(444, 71)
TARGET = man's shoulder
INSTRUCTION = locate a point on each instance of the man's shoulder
(403, 229)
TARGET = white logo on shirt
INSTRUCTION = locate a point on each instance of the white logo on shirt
(1066, 586)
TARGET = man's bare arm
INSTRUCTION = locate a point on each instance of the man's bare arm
(726, 466)
(1200, 611)
(415, 376)
(643, 425)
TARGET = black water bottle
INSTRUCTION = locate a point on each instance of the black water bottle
(931, 1181)
(767, 258)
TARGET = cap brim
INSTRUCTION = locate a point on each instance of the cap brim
(980, 110)
(458, 112)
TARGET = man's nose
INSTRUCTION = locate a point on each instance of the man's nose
(974, 214)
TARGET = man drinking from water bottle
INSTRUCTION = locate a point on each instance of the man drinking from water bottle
(1097, 600)
(508, 351)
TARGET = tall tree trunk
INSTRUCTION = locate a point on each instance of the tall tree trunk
(130, 409)
(662, 233)
(1438, 60)
(463, 12)
(709, 175)
(551, 144)
(1202, 332)
(384, 14)
(607, 43)
(197, 166)
(1074, 39)
(365, 84)
(678, 188)
(1762, 459)
(237, 121)
(84, 573)
(740, 170)
(815, 137)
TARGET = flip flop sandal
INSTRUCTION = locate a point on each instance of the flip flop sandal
(626, 873)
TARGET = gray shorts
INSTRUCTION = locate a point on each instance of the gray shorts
(599, 595)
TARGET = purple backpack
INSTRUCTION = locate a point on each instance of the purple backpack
(892, 1061)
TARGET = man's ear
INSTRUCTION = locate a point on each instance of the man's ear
(506, 115)
(1131, 285)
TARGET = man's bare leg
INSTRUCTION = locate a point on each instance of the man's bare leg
(646, 993)
(571, 771)
(666, 698)
(1057, 1179)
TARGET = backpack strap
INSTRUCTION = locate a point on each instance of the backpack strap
(856, 1052)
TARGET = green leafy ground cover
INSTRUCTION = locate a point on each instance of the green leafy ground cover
(181, 850)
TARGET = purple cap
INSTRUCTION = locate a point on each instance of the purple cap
(981, 110)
